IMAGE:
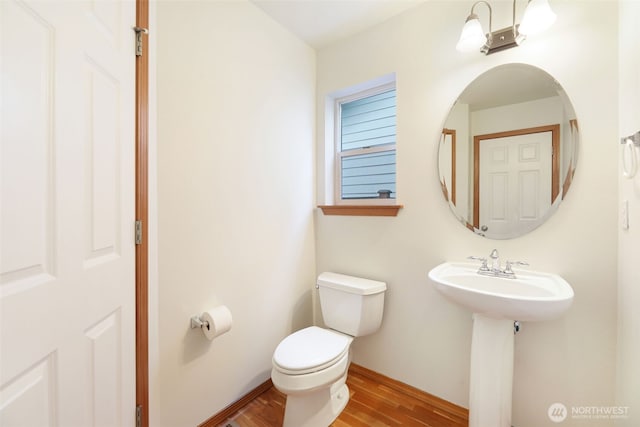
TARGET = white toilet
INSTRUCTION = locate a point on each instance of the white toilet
(310, 365)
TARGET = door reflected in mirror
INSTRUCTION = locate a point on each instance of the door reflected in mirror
(508, 151)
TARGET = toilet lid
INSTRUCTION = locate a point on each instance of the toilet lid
(310, 349)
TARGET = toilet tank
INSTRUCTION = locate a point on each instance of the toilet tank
(351, 305)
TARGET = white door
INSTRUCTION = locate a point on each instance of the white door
(67, 283)
(515, 182)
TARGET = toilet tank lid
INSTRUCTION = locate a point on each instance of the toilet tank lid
(351, 284)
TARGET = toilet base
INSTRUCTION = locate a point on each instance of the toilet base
(318, 408)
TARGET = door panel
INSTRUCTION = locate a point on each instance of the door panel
(27, 119)
(67, 290)
(515, 181)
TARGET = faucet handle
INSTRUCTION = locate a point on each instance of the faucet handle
(507, 268)
(484, 266)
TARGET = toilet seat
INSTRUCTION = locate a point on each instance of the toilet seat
(309, 350)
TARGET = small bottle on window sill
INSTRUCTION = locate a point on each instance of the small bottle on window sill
(384, 194)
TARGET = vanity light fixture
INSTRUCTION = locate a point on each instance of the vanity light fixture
(538, 16)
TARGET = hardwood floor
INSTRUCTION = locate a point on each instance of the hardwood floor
(375, 401)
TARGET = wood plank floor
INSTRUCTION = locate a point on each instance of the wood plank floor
(375, 401)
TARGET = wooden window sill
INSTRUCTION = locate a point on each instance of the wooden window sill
(361, 210)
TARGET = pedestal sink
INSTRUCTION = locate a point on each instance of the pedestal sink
(496, 302)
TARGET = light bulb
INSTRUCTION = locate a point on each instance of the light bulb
(538, 16)
(472, 37)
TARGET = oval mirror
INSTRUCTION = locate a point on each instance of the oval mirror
(508, 151)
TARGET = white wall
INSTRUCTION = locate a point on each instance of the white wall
(235, 200)
(425, 340)
(628, 390)
(540, 112)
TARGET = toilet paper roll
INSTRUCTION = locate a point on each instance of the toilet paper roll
(217, 321)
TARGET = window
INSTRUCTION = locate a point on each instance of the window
(366, 147)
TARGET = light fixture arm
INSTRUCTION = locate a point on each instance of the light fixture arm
(490, 38)
(517, 37)
(515, 32)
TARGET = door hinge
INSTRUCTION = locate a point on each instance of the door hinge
(138, 232)
(139, 32)
(139, 416)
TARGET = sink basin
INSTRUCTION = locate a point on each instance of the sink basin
(531, 296)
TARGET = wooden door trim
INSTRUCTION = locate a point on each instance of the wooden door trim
(555, 161)
(142, 199)
(451, 194)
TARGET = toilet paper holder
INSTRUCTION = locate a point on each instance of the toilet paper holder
(213, 322)
(196, 322)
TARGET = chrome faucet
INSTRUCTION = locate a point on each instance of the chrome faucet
(495, 269)
(495, 260)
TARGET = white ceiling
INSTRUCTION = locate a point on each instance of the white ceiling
(509, 84)
(322, 22)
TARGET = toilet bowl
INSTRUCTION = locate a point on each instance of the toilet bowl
(310, 366)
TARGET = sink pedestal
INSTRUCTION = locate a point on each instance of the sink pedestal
(528, 297)
(491, 372)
